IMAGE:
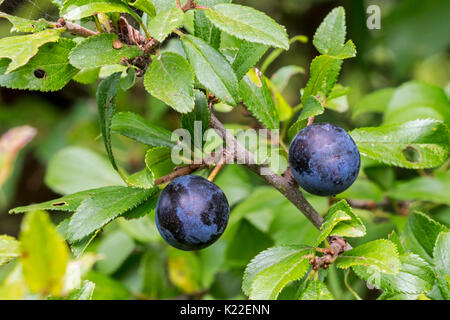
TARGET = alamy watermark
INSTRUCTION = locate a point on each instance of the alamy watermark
(374, 19)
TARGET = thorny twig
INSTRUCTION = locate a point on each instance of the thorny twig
(338, 245)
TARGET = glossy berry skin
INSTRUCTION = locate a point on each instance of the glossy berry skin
(191, 213)
(324, 159)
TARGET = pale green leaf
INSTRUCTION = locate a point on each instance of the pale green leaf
(414, 144)
(282, 76)
(20, 49)
(380, 254)
(115, 248)
(316, 290)
(427, 188)
(376, 101)
(415, 276)
(159, 161)
(212, 70)
(98, 51)
(75, 169)
(48, 70)
(145, 6)
(441, 262)
(414, 100)
(78, 9)
(164, 23)
(282, 265)
(97, 210)
(44, 254)
(248, 24)
(170, 79)
(84, 293)
(24, 25)
(420, 235)
(9, 249)
(341, 221)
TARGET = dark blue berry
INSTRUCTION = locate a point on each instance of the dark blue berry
(191, 213)
(324, 159)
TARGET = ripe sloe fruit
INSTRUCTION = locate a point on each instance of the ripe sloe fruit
(324, 159)
(191, 213)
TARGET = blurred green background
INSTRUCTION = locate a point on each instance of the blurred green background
(412, 44)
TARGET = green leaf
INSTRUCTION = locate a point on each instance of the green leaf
(106, 105)
(9, 249)
(247, 57)
(271, 270)
(248, 24)
(24, 25)
(311, 108)
(316, 290)
(170, 79)
(97, 210)
(198, 120)
(145, 208)
(153, 273)
(205, 30)
(341, 221)
(141, 229)
(441, 262)
(363, 189)
(141, 179)
(66, 203)
(146, 6)
(323, 73)
(98, 51)
(376, 101)
(420, 235)
(78, 9)
(414, 144)
(380, 254)
(115, 248)
(48, 70)
(257, 97)
(414, 100)
(282, 76)
(135, 127)
(246, 242)
(44, 254)
(330, 36)
(75, 169)
(164, 23)
(184, 270)
(87, 76)
(159, 161)
(107, 288)
(20, 49)
(84, 293)
(128, 82)
(415, 276)
(212, 70)
(434, 189)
